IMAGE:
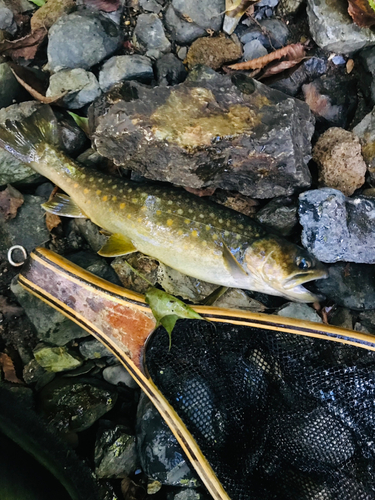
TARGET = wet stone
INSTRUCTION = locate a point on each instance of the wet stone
(210, 131)
(350, 285)
(74, 404)
(340, 163)
(7, 21)
(160, 455)
(170, 70)
(235, 298)
(253, 50)
(149, 33)
(91, 233)
(342, 317)
(9, 87)
(179, 284)
(333, 29)
(32, 372)
(367, 319)
(117, 375)
(207, 14)
(121, 68)
(132, 269)
(336, 228)
(280, 215)
(95, 264)
(150, 6)
(115, 453)
(299, 311)
(80, 40)
(56, 359)
(365, 130)
(187, 494)
(51, 326)
(82, 87)
(181, 31)
(93, 349)
(213, 52)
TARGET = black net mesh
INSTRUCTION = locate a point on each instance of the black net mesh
(277, 415)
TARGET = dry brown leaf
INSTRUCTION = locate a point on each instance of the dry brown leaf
(361, 13)
(295, 51)
(278, 67)
(52, 220)
(10, 201)
(104, 5)
(9, 310)
(25, 47)
(234, 8)
(34, 85)
(8, 368)
(349, 66)
(201, 192)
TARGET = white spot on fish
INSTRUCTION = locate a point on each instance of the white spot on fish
(170, 202)
(180, 212)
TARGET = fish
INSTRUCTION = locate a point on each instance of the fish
(197, 237)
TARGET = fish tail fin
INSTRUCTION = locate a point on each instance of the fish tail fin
(22, 138)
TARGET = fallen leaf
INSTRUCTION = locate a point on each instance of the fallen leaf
(104, 5)
(295, 51)
(82, 122)
(201, 192)
(278, 67)
(8, 368)
(234, 10)
(49, 13)
(349, 66)
(9, 310)
(168, 309)
(362, 12)
(10, 201)
(39, 3)
(25, 47)
(52, 220)
(35, 85)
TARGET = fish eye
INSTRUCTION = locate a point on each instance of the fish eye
(303, 263)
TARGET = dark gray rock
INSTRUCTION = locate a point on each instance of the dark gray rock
(95, 265)
(51, 326)
(74, 404)
(80, 40)
(350, 285)
(82, 87)
(93, 349)
(7, 21)
(336, 228)
(182, 32)
(73, 140)
(310, 70)
(253, 50)
(150, 6)
(280, 214)
(332, 98)
(160, 455)
(27, 228)
(277, 31)
(187, 494)
(115, 453)
(170, 70)
(367, 319)
(365, 130)
(333, 29)
(207, 14)
(149, 33)
(9, 86)
(211, 130)
(91, 233)
(121, 68)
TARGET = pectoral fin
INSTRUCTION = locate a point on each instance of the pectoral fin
(61, 204)
(116, 245)
(235, 268)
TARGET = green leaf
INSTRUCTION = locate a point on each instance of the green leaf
(167, 309)
(81, 121)
(39, 3)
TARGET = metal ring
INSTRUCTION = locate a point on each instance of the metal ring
(11, 250)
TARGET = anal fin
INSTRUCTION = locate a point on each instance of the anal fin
(62, 204)
(116, 245)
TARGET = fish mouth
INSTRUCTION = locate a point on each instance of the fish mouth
(294, 289)
(301, 278)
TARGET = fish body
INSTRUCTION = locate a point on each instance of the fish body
(196, 237)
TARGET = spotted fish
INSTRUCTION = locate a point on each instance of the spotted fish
(196, 237)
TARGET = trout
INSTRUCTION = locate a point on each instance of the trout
(194, 236)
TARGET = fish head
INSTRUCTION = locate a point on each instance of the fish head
(283, 267)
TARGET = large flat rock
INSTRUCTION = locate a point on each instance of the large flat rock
(212, 130)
